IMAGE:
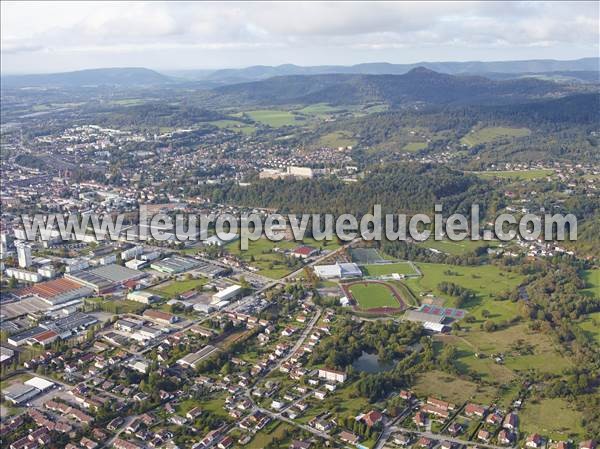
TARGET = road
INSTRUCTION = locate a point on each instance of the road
(307, 330)
(435, 436)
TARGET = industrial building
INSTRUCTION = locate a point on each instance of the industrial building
(23, 275)
(227, 293)
(105, 278)
(191, 360)
(24, 254)
(132, 252)
(56, 291)
(338, 271)
(160, 316)
(20, 394)
(174, 264)
(142, 296)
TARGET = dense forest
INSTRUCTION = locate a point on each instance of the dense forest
(400, 187)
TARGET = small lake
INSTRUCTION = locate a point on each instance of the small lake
(369, 363)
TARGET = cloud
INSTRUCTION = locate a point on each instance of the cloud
(12, 48)
(66, 27)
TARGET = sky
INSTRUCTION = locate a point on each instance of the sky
(42, 37)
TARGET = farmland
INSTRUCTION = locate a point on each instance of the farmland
(452, 388)
(591, 326)
(490, 134)
(337, 139)
(457, 248)
(522, 350)
(592, 279)
(556, 418)
(273, 117)
(487, 281)
(515, 175)
(414, 146)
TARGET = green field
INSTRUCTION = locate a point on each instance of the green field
(337, 139)
(490, 134)
(235, 125)
(110, 305)
(273, 117)
(388, 269)
(175, 288)
(262, 255)
(372, 296)
(591, 326)
(516, 175)
(319, 109)
(411, 147)
(592, 279)
(277, 430)
(522, 349)
(486, 280)
(553, 418)
(457, 248)
(452, 388)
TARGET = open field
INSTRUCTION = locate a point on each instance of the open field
(268, 256)
(175, 288)
(522, 349)
(457, 248)
(591, 326)
(486, 280)
(411, 147)
(337, 139)
(515, 175)
(112, 306)
(234, 125)
(388, 269)
(553, 418)
(592, 279)
(320, 109)
(273, 117)
(452, 388)
(269, 434)
(490, 134)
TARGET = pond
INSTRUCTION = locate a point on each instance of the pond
(369, 363)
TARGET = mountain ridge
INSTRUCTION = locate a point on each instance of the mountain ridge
(420, 85)
(588, 68)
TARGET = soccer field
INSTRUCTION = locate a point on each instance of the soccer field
(388, 269)
(373, 295)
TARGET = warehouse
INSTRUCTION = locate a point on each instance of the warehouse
(192, 360)
(160, 316)
(57, 291)
(70, 324)
(19, 393)
(210, 270)
(174, 264)
(39, 383)
(105, 278)
(227, 293)
(142, 296)
(24, 337)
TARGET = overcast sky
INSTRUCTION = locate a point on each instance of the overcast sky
(55, 36)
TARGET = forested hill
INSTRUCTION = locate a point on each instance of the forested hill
(506, 68)
(418, 85)
(125, 77)
(399, 187)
